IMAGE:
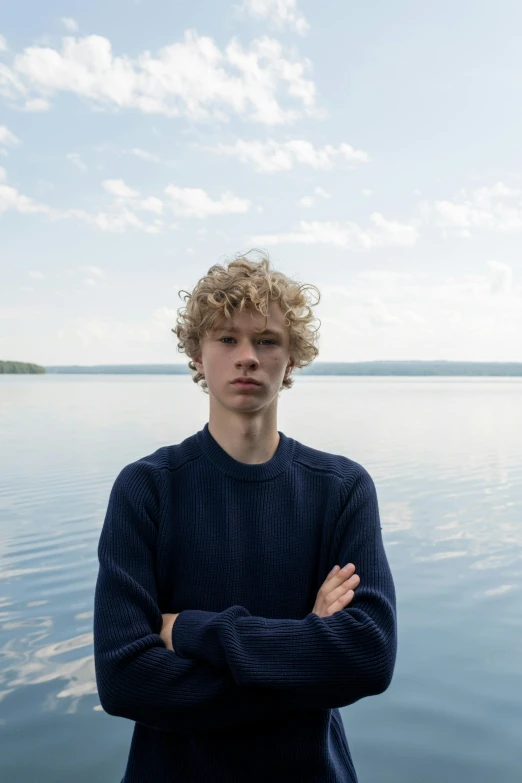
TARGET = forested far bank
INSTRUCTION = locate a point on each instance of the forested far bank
(379, 367)
(20, 367)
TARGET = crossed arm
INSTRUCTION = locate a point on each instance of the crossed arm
(231, 666)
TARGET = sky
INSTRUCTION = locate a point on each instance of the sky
(371, 149)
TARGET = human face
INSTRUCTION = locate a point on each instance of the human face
(234, 349)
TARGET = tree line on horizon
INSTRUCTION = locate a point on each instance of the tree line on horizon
(433, 367)
(20, 367)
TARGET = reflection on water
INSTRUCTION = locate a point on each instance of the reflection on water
(446, 458)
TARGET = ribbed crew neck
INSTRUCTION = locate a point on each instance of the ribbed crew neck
(245, 471)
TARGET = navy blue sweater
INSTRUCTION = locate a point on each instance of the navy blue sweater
(253, 688)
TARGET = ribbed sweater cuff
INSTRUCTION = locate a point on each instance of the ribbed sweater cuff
(189, 639)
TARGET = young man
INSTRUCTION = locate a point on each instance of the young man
(220, 627)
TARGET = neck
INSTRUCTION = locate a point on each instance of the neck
(252, 441)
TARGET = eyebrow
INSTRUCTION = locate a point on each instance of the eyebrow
(232, 329)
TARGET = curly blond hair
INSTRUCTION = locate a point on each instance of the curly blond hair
(225, 290)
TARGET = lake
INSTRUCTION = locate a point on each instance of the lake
(446, 458)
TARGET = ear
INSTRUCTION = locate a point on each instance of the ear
(197, 362)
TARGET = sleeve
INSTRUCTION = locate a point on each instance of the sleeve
(137, 676)
(326, 662)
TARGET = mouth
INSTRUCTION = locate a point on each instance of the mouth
(244, 385)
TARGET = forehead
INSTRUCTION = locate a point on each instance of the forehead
(251, 319)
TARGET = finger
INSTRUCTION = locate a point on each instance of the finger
(338, 575)
(340, 604)
(338, 592)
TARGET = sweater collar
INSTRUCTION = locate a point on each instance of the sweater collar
(279, 462)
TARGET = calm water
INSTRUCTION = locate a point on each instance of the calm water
(446, 457)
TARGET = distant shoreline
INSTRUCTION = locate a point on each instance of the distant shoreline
(379, 368)
(20, 368)
(439, 367)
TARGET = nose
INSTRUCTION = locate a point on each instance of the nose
(245, 355)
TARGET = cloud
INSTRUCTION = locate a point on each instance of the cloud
(123, 193)
(322, 193)
(37, 104)
(280, 12)
(120, 336)
(115, 222)
(501, 277)
(3, 44)
(117, 187)
(386, 233)
(11, 198)
(308, 201)
(461, 317)
(119, 219)
(95, 275)
(195, 202)
(272, 155)
(7, 137)
(184, 202)
(497, 208)
(76, 160)
(144, 155)
(71, 25)
(94, 270)
(192, 78)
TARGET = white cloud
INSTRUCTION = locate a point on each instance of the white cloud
(35, 274)
(37, 104)
(501, 277)
(3, 174)
(322, 193)
(95, 275)
(76, 160)
(94, 270)
(151, 204)
(281, 12)
(3, 44)
(11, 198)
(117, 187)
(195, 202)
(192, 78)
(122, 192)
(7, 137)
(71, 25)
(366, 192)
(119, 219)
(308, 201)
(459, 317)
(115, 222)
(144, 155)
(272, 155)
(185, 202)
(386, 233)
(496, 207)
(120, 337)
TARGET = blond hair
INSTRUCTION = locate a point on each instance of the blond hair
(226, 290)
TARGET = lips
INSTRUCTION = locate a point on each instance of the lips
(246, 386)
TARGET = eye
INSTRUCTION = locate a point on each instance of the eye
(265, 340)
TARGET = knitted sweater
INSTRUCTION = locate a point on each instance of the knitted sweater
(253, 688)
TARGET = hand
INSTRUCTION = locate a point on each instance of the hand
(333, 595)
(166, 629)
